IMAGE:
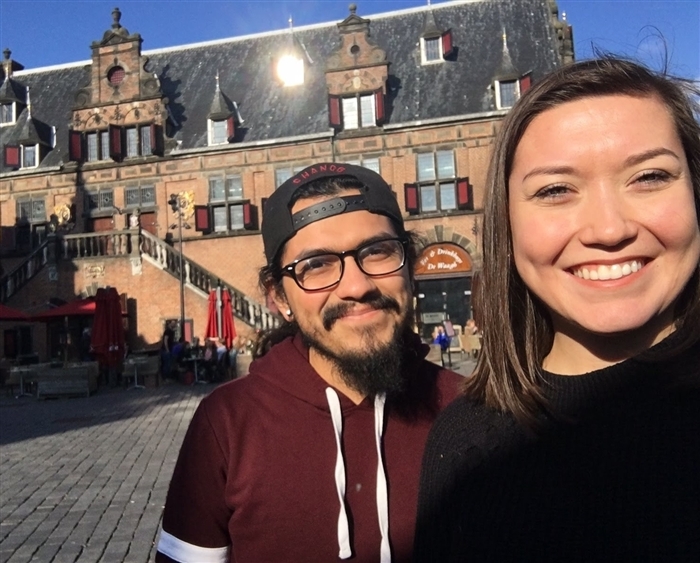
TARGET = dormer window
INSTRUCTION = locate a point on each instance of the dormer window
(21, 156)
(358, 111)
(218, 131)
(507, 92)
(29, 156)
(436, 48)
(7, 113)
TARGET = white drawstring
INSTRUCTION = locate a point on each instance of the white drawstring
(343, 527)
(382, 494)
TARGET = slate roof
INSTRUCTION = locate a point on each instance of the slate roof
(415, 92)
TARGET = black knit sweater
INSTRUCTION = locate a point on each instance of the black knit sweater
(614, 475)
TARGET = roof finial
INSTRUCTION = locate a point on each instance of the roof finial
(29, 105)
(116, 16)
(353, 8)
(563, 16)
(218, 89)
(428, 3)
(7, 53)
(291, 23)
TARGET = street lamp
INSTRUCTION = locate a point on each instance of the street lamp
(177, 205)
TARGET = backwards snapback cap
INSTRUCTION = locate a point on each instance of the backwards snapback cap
(279, 224)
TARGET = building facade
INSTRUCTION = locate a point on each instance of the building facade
(148, 171)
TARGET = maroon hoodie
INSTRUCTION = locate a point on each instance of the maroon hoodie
(256, 477)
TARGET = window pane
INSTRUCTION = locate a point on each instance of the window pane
(220, 219)
(104, 145)
(234, 187)
(148, 195)
(131, 197)
(38, 210)
(216, 189)
(371, 163)
(448, 199)
(282, 175)
(92, 147)
(132, 142)
(427, 198)
(92, 200)
(29, 156)
(6, 113)
(350, 117)
(219, 132)
(508, 93)
(367, 105)
(24, 210)
(236, 212)
(432, 49)
(445, 164)
(426, 167)
(106, 199)
(145, 141)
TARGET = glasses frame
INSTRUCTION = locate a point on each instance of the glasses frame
(288, 270)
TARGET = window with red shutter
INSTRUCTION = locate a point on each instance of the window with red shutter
(156, 133)
(116, 143)
(379, 106)
(464, 194)
(334, 116)
(411, 197)
(250, 217)
(12, 156)
(75, 145)
(230, 128)
(202, 218)
(525, 83)
(447, 47)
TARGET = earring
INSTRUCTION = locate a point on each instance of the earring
(289, 313)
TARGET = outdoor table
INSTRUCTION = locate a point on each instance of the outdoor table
(21, 371)
(193, 360)
(135, 362)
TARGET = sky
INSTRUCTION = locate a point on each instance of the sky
(53, 32)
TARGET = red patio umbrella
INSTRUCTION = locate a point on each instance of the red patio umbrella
(10, 314)
(228, 330)
(71, 309)
(107, 340)
(211, 331)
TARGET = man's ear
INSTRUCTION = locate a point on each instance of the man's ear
(276, 294)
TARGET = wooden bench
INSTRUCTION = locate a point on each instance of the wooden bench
(71, 381)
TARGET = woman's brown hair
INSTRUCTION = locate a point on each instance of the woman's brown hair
(517, 332)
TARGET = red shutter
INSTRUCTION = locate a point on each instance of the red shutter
(334, 117)
(75, 146)
(202, 218)
(250, 217)
(116, 151)
(379, 106)
(12, 156)
(525, 83)
(447, 48)
(464, 200)
(230, 128)
(411, 195)
(156, 132)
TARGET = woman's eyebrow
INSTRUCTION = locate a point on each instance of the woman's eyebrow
(548, 170)
(649, 154)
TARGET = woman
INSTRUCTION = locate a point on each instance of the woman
(578, 438)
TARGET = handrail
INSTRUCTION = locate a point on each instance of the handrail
(101, 244)
(168, 258)
(14, 280)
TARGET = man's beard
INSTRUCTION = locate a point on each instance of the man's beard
(379, 366)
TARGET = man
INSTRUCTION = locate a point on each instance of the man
(315, 456)
(166, 350)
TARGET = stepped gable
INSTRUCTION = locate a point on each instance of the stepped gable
(459, 86)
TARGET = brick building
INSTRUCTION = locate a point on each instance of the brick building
(113, 166)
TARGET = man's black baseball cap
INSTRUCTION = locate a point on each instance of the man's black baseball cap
(279, 225)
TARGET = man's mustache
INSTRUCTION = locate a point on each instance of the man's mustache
(377, 301)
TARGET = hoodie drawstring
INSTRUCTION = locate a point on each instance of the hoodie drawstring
(382, 494)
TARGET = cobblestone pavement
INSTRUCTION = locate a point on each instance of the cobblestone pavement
(85, 480)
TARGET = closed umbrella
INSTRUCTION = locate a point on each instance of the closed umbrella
(107, 330)
(211, 330)
(228, 330)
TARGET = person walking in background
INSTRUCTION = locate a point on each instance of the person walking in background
(167, 343)
(315, 455)
(441, 338)
(578, 438)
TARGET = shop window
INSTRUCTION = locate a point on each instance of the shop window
(356, 112)
(438, 189)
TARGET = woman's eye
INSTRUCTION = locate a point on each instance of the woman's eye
(552, 192)
(653, 177)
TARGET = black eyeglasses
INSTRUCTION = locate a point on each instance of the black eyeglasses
(321, 271)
